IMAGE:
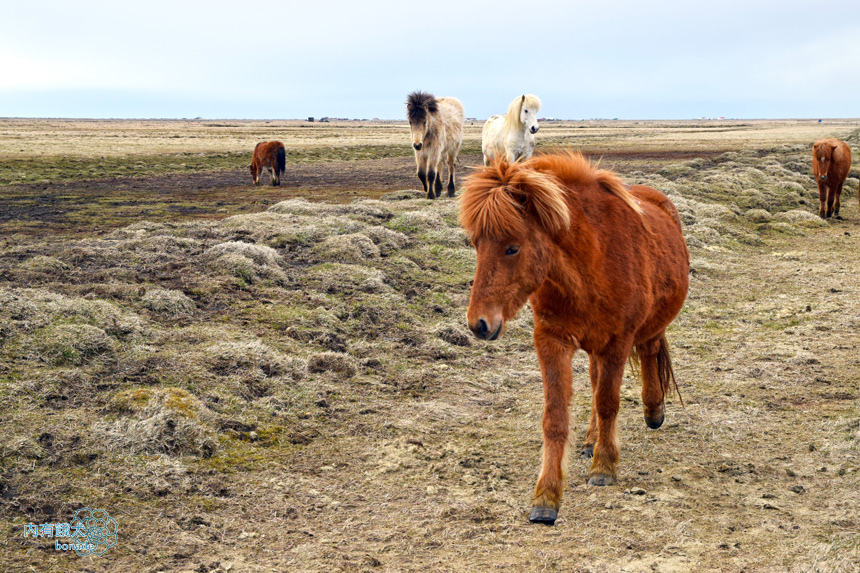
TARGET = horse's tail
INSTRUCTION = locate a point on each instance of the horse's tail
(282, 160)
(665, 373)
(664, 369)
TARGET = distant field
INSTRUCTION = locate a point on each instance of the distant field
(281, 379)
(60, 150)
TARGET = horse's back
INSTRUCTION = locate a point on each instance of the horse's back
(267, 153)
(651, 196)
(452, 116)
(454, 108)
(844, 160)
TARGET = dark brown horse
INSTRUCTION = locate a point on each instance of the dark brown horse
(605, 268)
(831, 160)
(272, 156)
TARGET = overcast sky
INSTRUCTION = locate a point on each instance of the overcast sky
(288, 59)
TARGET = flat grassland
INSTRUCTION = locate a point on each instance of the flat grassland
(280, 379)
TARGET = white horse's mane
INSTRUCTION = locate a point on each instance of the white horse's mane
(512, 119)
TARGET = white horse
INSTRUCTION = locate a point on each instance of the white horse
(437, 131)
(512, 136)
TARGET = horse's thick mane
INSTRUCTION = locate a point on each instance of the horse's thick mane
(512, 119)
(497, 198)
(415, 105)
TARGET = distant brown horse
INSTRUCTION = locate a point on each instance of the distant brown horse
(605, 269)
(437, 131)
(831, 160)
(272, 156)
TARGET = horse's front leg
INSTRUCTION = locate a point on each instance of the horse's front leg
(422, 170)
(607, 397)
(555, 358)
(822, 199)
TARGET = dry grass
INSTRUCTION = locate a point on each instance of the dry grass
(295, 389)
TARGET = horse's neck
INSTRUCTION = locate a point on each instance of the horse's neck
(519, 135)
(575, 254)
(434, 129)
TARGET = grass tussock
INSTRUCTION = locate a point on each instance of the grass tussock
(232, 357)
(168, 303)
(70, 344)
(158, 421)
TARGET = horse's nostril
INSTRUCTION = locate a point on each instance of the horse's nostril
(483, 328)
(416, 145)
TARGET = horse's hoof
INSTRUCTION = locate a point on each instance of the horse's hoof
(654, 422)
(544, 515)
(587, 452)
(601, 480)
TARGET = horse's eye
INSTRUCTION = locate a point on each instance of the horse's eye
(512, 250)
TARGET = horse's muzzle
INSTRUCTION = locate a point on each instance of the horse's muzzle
(417, 146)
(822, 177)
(482, 330)
(534, 129)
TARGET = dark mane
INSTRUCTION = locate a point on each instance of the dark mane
(415, 103)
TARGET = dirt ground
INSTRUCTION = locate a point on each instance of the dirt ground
(78, 206)
(248, 381)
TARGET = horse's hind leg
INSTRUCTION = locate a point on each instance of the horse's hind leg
(591, 434)
(276, 179)
(836, 200)
(653, 387)
(439, 182)
(554, 360)
(451, 191)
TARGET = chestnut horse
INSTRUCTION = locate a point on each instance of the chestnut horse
(605, 268)
(437, 131)
(831, 160)
(272, 156)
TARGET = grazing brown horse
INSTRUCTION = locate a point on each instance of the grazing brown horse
(831, 160)
(605, 268)
(272, 156)
(437, 131)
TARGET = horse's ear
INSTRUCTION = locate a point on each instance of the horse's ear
(524, 98)
(426, 107)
